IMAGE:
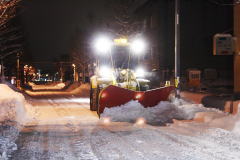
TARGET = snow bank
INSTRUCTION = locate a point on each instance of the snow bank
(12, 104)
(50, 86)
(82, 90)
(160, 114)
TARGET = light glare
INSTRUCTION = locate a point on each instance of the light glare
(138, 46)
(140, 121)
(103, 45)
(106, 120)
(140, 72)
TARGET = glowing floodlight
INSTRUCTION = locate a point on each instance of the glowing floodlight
(140, 72)
(103, 45)
(138, 46)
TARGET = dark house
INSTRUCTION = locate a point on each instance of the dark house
(199, 21)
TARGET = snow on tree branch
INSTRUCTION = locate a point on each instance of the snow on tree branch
(7, 10)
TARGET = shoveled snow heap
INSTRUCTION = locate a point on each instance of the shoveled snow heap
(160, 114)
(11, 104)
(51, 86)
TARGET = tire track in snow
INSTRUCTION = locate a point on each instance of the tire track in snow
(117, 150)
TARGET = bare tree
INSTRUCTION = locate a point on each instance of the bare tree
(125, 22)
(7, 10)
(9, 35)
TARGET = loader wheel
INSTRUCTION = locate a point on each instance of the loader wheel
(94, 92)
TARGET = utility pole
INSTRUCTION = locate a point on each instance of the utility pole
(177, 48)
(18, 71)
(2, 70)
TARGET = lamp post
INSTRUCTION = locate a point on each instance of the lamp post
(177, 49)
(74, 72)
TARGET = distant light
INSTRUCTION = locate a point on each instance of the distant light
(12, 81)
(138, 46)
(140, 121)
(73, 65)
(103, 45)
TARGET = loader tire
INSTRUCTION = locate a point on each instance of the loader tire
(94, 93)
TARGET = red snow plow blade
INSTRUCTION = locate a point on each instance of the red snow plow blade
(112, 96)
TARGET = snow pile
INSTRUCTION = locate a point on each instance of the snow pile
(73, 86)
(50, 86)
(12, 104)
(234, 121)
(160, 114)
(82, 90)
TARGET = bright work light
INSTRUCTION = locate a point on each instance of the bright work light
(138, 46)
(140, 72)
(103, 45)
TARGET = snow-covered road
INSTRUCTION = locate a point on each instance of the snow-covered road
(126, 142)
(64, 128)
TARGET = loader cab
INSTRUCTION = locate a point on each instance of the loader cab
(123, 58)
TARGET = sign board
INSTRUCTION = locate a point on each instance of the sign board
(223, 44)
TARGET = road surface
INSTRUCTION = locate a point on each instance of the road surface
(65, 129)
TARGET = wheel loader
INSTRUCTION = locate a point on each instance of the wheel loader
(119, 78)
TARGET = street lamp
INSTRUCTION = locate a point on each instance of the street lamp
(74, 72)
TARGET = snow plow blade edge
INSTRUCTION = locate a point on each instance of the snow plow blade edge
(112, 96)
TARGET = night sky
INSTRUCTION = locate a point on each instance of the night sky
(50, 26)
